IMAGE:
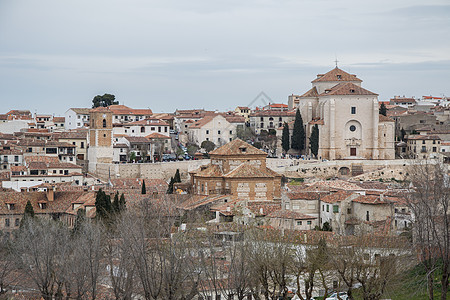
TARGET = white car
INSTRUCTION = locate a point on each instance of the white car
(334, 296)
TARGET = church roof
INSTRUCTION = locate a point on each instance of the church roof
(246, 170)
(210, 171)
(336, 75)
(237, 147)
(311, 93)
(347, 88)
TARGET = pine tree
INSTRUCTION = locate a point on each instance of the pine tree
(29, 211)
(170, 188)
(177, 177)
(285, 138)
(298, 134)
(314, 140)
(383, 109)
(144, 191)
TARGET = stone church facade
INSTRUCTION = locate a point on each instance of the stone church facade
(347, 115)
(237, 169)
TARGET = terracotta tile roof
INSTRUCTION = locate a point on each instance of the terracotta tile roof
(308, 195)
(149, 122)
(263, 208)
(278, 105)
(138, 140)
(423, 137)
(210, 171)
(198, 200)
(41, 158)
(347, 89)
(37, 166)
(236, 147)
(385, 119)
(156, 135)
(235, 119)
(243, 107)
(370, 199)
(74, 134)
(59, 119)
(202, 122)
(273, 113)
(317, 121)
(82, 111)
(371, 185)
(61, 165)
(18, 168)
(125, 110)
(336, 75)
(312, 93)
(289, 214)
(246, 170)
(336, 197)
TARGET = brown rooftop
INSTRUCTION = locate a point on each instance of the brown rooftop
(336, 75)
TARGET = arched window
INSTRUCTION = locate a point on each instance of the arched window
(142, 129)
(104, 123)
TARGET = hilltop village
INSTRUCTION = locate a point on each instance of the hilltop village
(330, 165)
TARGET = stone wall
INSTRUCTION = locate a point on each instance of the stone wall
(163, 170)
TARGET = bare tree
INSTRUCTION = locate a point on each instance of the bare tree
(6, 265)
(429, 201)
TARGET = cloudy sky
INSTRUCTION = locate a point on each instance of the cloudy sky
(214, 54)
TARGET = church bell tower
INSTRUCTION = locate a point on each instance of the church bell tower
(100, 137)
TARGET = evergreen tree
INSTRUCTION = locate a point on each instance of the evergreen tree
(144, 191)
(383, 109)
(285, 138)
(103, 205)
(177, 177)
(402, 134)
(298, 134)
(122, 203)
(170, 188)
(29, 211)
(81, 217)
(314, 140)
(116, 204)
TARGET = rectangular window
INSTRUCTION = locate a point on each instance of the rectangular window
(328, 208)
(353, 110)
(16, 158)
(17, 222)
(434, 149)
(6, 222)
(335, 208)
(218, 131)
(207, 131)
(82, 145)
(309, 222)
(299, 222)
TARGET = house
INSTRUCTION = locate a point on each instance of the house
(160, 145)
(142, 128)
(423, 146)
(216, 128)
(78, 138)
(76, 118)
(140, 146)
(291, 220)
(125, 114)
(270, 119)
(243, 111)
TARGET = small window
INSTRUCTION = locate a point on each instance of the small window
(349, 211)
(207, 131)
(299, 222)
(17, 222)
(309, 222)
(328, 208)
(218, 131)
(104, 123)
(353, 110)
(142, 129)
(6, 222)
(335, 208)
(367, 216)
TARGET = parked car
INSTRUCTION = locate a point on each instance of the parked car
(334, 296)
(171, 131)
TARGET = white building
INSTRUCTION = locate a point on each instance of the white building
(350, 126)
(76, 118)
(215, 128)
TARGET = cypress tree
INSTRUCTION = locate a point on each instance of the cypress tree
(402, 134)
(144, 191)
(285, 137)
(81, 217)
(298, 134)
(170, 188)
(103, 204)
(314, 140)
(383, 109)
(29, 211)
(122, 202)
(116, 204)
(177, 177)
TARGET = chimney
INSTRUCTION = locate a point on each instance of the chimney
(50, 193)
(261, 211)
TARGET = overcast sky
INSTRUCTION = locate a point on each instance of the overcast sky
(214, 54)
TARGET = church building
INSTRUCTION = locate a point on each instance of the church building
(237, 169)
(350, 126)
